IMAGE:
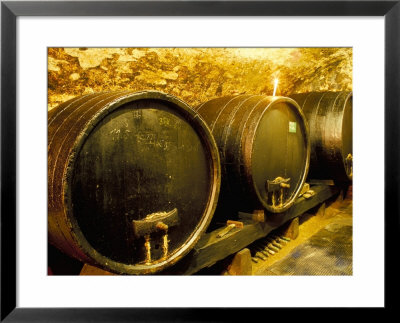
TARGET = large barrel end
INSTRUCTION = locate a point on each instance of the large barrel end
(134, 180)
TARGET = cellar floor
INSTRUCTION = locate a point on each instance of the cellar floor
(323, 246)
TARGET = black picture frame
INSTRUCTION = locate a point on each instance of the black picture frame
(10, 10)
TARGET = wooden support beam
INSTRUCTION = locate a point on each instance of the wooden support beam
(349, 192)
(241, 263)
(339, 199)
(211, 249)
(321, 210)
(89, 270)
(258, 216)
(291, 230)
(337, 203)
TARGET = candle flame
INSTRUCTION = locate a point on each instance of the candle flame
(275, 86)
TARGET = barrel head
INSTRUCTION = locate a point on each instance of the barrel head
(279, 160)
(140, 177)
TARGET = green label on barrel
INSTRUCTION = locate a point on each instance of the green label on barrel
(292, 126)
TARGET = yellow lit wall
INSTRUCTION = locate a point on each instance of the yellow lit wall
(196, 75)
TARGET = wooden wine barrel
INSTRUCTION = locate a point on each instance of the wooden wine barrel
(330, 118)
(264, 149)
(133, 180)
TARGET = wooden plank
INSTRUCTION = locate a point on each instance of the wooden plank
(89, 270)
(211, 249)
(241, 263)
(321, 210)
(292, 229)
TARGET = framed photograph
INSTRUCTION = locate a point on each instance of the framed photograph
(55, 52)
